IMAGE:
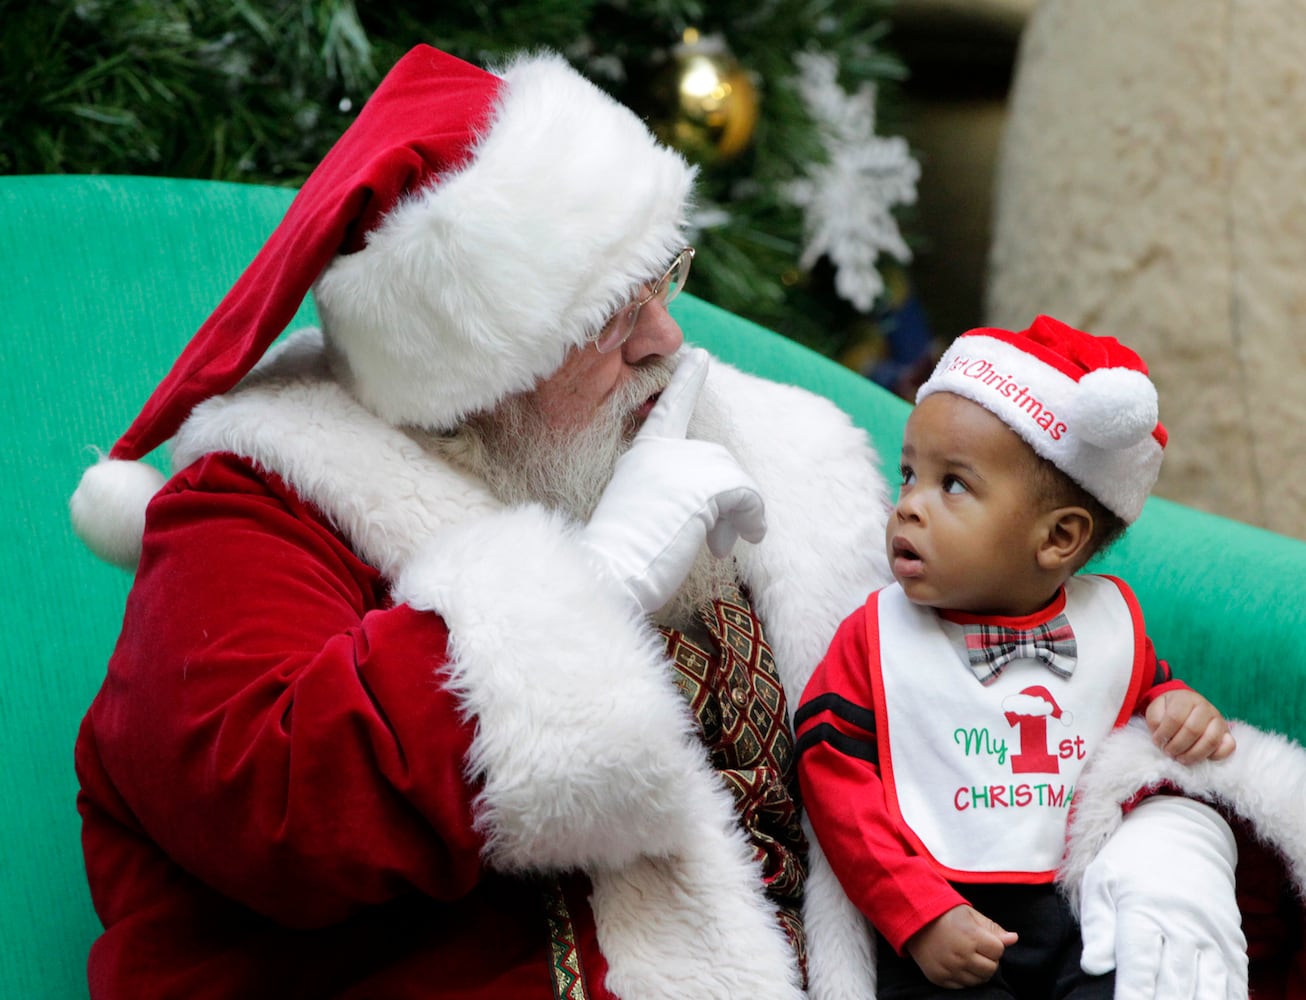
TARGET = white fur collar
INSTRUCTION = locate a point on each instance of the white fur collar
(376, 485)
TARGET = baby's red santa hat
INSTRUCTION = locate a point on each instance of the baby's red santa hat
(465, 231)
(1081, 401)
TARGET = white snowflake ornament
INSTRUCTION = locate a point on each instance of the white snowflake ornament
(848, 200)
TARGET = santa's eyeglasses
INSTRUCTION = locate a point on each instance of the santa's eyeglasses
(618, 329)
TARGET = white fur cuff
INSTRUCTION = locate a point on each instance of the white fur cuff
(583, 744)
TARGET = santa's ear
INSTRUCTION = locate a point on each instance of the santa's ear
(1065, 538)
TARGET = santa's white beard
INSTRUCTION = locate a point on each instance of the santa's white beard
(524, 460)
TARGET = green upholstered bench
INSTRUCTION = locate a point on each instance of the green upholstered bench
(102, 281)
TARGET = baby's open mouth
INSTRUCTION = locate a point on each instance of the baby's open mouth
(901, 550)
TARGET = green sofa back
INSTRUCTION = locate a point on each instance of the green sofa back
(104, 280)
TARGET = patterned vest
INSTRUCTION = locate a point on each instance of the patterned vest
(727, 673)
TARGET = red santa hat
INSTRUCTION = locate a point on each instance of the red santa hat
(465, 231)
(1082, 402)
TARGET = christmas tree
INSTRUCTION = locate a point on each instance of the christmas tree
(800, 198)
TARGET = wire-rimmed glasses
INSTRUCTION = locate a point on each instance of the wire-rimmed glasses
(618, 329)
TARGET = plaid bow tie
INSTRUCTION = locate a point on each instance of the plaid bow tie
(992, 647)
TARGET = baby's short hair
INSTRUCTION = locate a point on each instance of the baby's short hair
(1053, 488)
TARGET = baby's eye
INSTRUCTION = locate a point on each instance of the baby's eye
(951, 484)
(906, 474)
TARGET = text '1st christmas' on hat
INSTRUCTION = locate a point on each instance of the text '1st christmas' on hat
(1082, 402)
(466, 231)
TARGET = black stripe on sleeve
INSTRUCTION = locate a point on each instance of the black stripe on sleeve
(861, 717)
(847, 745)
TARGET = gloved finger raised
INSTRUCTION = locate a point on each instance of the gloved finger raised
(670, 416)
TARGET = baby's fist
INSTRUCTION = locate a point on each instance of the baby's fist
(1188, 727)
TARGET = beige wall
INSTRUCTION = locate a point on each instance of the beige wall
(1151, 185)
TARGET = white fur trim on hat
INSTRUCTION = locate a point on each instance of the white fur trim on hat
(476, 287)
(1098, 429)
(108, 508)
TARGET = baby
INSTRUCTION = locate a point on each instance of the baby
(941, 736)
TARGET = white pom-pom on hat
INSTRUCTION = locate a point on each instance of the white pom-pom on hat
(1115, 407)
(108, 508)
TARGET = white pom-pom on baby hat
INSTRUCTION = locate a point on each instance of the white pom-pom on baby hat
(108, 508)
(1114, 407)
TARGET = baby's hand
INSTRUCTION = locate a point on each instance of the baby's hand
(1188, 727)
(959, 948)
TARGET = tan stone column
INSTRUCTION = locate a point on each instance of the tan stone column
(1152, 186)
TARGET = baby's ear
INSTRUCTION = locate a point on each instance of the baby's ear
(1066, 538)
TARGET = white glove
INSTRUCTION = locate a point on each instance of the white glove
(1158, 906)
(668, 495)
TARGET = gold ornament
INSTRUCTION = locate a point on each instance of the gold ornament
(709, 102)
